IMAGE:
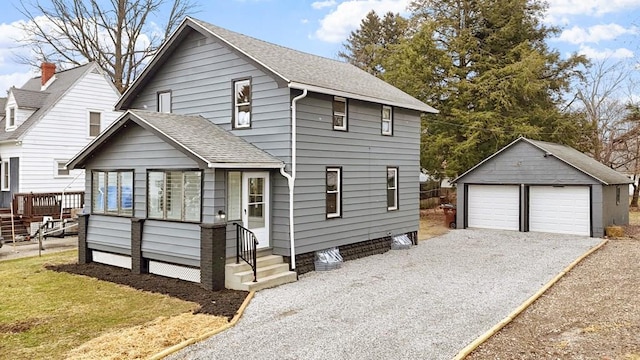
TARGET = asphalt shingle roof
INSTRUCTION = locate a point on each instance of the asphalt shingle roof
(30, 96)
(198, 136)
(582, 162)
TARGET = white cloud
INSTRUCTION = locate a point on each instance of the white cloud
(304, 21)
(15, 79)
(595, 34)
(557, 8)
(323, 4)
(336, 25)
(600, 54)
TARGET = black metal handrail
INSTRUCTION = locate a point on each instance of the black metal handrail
(246, 245)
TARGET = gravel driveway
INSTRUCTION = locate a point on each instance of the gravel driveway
(427, 302)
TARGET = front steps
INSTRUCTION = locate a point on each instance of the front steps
(271, 272)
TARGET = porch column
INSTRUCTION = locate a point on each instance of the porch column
(84, 254)
(213, 238)
(138, 265)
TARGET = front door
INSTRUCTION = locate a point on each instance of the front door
(255, 205)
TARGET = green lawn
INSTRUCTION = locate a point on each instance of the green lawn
(44, 314)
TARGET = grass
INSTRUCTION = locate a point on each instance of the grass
(431, 224)
(45, 314)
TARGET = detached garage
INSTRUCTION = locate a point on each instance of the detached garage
(538, 186)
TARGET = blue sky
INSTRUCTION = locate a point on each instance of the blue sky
(596, 28)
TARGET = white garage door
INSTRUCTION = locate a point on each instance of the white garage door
(494, 207)
(563, 210)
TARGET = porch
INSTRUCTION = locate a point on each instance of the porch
(30, 209)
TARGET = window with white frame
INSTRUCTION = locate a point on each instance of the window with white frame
(174, 195)
(387, 120)
(11, 119)
(339, 113)
(392, 188)
(334, 192)
(242, 104)
(60, 168)
(112, 192)
(95, 123)
(164, 101)
(234, 195)
(5, 176)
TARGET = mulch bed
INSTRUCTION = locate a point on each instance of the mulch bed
(219, 303)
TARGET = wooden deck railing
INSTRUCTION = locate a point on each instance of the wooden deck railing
(32, 205)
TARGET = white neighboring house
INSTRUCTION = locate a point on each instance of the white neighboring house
(46, 122)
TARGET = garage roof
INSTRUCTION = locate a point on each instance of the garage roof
(571, 157)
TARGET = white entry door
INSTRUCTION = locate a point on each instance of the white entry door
(255, 205)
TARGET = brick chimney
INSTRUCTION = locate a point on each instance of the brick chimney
(48, 69)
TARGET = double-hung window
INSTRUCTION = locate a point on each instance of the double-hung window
(392, 188)
(387, 120)
(164, 101)
(339, 113)
(334, 192)
(174, 195)
(95, 123)
(11, 120)
(5, 176)
(242, 104)
(112, 192)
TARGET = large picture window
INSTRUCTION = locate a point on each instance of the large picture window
(334, 192)
(112, 192)
(392, 188)
(242, 104)
(174, 195)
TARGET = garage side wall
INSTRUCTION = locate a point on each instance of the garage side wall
(615, 209)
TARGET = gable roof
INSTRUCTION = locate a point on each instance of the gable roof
(296, 69)
(30, 96)
(195, 136)
(569, 156)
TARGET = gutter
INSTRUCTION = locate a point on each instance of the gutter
(291, 178)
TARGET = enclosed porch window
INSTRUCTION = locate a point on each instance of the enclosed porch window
(174, 195)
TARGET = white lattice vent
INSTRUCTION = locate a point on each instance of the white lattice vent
(174, 271)
(111, 259)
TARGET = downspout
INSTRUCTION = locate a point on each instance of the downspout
(291, 178)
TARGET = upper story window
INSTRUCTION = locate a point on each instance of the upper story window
(387, 120)
(339, 113)
(95, 123)
(174, 195)
(164, 102)
(11, 119)
(112, 192)
(242, 104)
(392, 188)
(334, 192)
(5, 176)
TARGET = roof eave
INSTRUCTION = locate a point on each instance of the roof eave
(319, 89)
(222, 165)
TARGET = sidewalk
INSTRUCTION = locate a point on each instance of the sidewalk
(30, 248)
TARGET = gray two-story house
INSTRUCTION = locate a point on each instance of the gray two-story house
(229, 140)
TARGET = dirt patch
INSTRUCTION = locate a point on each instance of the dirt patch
(593, 312)
(432, 224)
(19, 327)
(219, 303)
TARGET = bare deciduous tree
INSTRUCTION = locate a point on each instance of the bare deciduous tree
(119, 35)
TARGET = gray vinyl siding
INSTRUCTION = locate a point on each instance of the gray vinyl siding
(109, 233)
(138, 149)
(364, 155)
(200, 73)
(173, 242)
(615, 213)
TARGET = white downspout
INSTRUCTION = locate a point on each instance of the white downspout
(291, 178)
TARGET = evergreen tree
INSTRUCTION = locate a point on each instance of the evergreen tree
(367, 46)
(486, 66)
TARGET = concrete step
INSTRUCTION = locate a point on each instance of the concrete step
(261, 272)
(269, 281)
(261, 262)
